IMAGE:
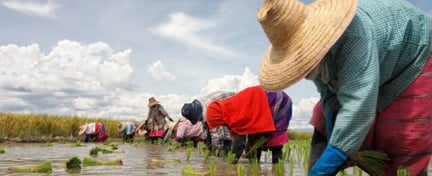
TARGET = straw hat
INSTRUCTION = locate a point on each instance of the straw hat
(300, 36)
(172, 126)
(139, 130)
(83, 128)
(152, 101)
(121, 126)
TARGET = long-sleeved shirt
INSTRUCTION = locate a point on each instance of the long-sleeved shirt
(380, 54)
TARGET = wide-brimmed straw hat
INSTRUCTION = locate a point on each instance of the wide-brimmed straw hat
(83, 128)
(121, 126)
(139, 128)
(300, 36)
(152, 101)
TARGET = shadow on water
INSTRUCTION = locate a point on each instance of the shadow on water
(141, 159)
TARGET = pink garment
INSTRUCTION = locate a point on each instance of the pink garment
(401, 131)
(156, 133)
(185, 129)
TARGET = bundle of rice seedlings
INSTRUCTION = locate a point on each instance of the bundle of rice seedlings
(93, 162)
(372, 162)
(258, 143)
(45, 167)
(73, 163)
(95, 150)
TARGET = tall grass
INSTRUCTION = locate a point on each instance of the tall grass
(36, 126)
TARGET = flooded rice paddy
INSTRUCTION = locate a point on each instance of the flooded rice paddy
(139, 159)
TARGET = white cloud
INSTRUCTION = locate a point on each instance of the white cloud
(31, 8)
(233, 83)
(185, 29)
(157, 70)
(90, 80)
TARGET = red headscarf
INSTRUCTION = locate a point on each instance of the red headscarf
(247, 112)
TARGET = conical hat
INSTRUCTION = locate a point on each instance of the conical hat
(300, 36)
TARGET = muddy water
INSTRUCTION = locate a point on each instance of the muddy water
(142, 159)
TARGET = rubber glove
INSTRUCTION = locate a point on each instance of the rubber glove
(330, 162)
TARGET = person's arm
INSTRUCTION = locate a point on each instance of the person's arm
(238, 147)
(355, 86)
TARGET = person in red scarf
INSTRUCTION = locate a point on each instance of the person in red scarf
(246, 114)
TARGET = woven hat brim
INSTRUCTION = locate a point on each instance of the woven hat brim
(325, 23)
(83, 128)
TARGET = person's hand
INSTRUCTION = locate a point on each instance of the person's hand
(330, 162)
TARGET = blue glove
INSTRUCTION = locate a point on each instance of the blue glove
(329, 163)
(330, 123)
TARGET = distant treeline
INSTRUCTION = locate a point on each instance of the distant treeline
(34, 127)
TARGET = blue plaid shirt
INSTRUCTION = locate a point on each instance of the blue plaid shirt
(380, 54)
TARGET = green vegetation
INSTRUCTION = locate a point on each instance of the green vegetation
(37, 126)
(73, 163)
(2, 151)
(93, 162)
(299, 136)
(45, 167)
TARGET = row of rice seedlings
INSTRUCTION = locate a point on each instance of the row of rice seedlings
(94, 162)
(45, 167)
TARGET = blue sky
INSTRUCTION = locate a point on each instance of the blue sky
(105, 58)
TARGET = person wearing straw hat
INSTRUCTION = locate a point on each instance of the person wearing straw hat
(126, 130)
(156, 122)
(94, 132)
(251, 114)
(371, 62)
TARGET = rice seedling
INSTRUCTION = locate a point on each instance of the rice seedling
(258, 143)
(280, 169)
(230, 157)
(206, 155)
(291, 165)
(93, 162)
(342, 173)
(158, 161)
(45, 167)
(48, 144)
(189, 151)
(240, 169)
(173, 147)
(212, 168)
(2, 151)
(188, 170)
(358, 171)
(372, 161)
(402, 172)
(255, 167)
(73, 163)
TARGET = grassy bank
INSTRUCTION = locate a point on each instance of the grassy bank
(43, 126)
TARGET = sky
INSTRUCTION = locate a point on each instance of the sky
(106, 58)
